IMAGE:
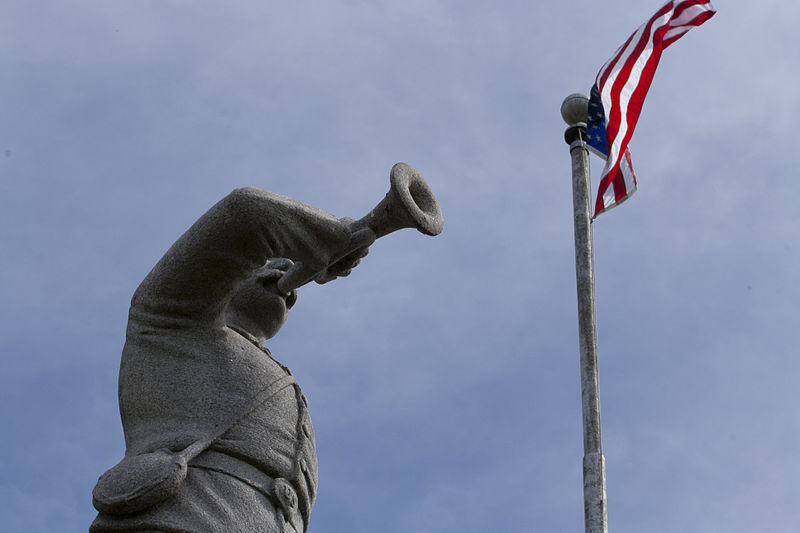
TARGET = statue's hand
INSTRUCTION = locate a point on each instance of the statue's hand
(360, 240)
(339, 266)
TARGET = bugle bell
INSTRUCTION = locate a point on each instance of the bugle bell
(410, 203)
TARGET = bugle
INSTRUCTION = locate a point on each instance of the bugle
(410, 203)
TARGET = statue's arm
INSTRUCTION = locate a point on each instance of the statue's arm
(197, 276)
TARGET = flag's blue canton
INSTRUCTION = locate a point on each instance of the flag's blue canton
(596, 123)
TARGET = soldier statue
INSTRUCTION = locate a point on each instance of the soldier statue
(217, 432)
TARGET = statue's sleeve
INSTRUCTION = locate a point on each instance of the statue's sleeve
(195, 279)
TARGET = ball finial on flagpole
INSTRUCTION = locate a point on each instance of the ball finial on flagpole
(575, 112)
(575, 109)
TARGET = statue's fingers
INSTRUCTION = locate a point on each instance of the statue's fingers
(361, 239)
(298, 274)
(346, 263)
(323, 278)
(280, 263)
(350, 265)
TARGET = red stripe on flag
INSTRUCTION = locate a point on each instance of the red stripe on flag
(608, 67)
(602, 77)
(697, 21)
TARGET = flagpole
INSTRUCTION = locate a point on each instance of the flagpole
(574, 112)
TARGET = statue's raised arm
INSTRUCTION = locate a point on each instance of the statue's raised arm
(198, 275)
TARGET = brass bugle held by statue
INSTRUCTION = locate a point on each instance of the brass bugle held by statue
(410, 203)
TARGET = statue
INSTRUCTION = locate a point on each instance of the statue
(217, 432)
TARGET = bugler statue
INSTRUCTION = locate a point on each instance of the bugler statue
(217, 431)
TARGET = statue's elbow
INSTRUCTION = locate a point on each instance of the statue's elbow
(241, 201)
(242, 194)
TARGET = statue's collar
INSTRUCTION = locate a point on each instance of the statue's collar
(247, 335)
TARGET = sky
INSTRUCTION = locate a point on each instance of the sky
(443, 375)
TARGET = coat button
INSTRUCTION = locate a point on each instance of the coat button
(307, 429)
(291, 497)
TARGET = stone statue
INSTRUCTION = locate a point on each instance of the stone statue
(217, 432)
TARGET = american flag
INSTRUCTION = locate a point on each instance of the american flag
(620, 88)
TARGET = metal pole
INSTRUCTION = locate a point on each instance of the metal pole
(574, 111)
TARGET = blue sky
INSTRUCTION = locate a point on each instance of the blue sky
(443, 375)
